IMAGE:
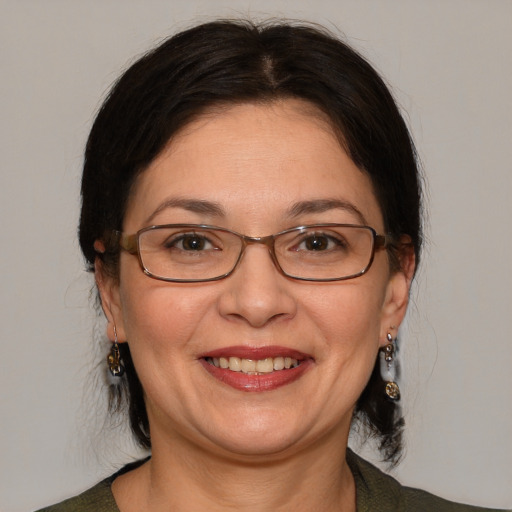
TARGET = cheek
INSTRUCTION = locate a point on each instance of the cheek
(352, 310)
(162, 325)
(158, 317)
(161, 317)
(348, 317)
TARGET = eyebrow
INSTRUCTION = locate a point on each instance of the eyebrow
(297, 209)
(324, 205)
(191, 205)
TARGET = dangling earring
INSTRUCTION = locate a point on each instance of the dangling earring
(115, 365)
(388, 369)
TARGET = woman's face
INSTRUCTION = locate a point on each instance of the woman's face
(253, 164)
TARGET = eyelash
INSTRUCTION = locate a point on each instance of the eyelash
(176, 239)
(341, 243)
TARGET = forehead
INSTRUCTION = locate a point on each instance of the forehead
(254, 160)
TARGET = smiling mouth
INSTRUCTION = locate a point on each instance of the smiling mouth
(256, 369)
(254, 366)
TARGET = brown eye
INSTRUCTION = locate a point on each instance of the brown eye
(320, 242)
(316, 243)
(189, 242)
(193, 243)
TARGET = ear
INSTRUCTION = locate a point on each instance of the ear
(108, 288)
(397, 292)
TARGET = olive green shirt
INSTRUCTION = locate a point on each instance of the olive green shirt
(376, 492)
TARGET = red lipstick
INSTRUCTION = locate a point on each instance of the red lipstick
(256, 352)
(257, 382)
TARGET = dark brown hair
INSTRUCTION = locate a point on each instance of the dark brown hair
(229, 62)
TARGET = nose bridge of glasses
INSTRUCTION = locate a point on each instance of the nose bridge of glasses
(261, 240)
(267, 241)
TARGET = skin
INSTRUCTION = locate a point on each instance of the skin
(216, 447)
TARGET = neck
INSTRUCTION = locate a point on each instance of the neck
(184, 477)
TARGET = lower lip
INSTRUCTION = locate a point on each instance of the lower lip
(267, 382)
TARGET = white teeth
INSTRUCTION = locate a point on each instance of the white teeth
(278, 363)
(248, 366)
(253, 366)
(265, 365)
(235, 364)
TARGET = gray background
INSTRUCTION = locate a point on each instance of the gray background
(449, 63)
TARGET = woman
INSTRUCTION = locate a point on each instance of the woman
(251, 210)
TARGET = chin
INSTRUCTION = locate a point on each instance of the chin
(267, 437)
(255, 447)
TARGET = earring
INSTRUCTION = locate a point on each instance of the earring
(388, 369)
(114, 363)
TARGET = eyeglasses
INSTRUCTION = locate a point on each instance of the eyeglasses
(191, 253)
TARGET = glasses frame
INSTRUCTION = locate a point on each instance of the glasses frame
(130, 243)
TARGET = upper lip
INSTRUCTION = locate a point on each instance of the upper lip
(256, 353)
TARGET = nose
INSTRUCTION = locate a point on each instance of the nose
(256, 292)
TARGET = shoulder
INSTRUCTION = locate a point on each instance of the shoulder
(97, 499)
(378, 491)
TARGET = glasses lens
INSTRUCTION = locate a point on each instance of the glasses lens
(185, 253)
(195, 253)
(325, 252)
